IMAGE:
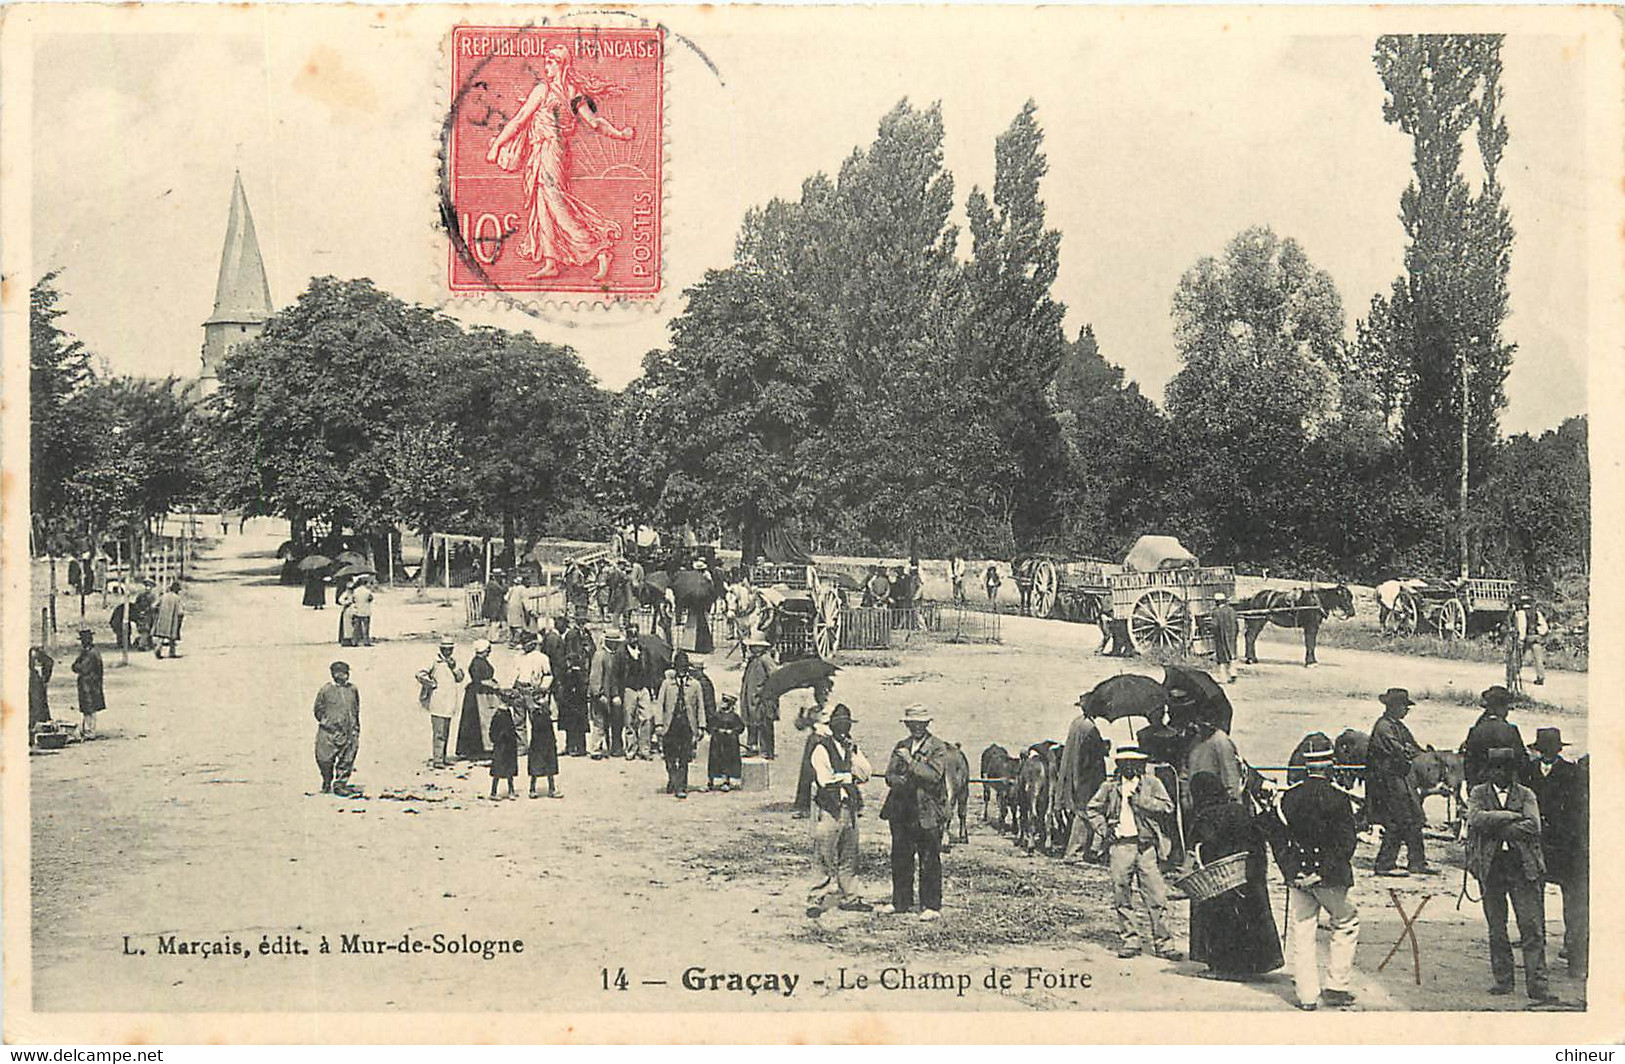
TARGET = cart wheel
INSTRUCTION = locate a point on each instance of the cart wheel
(1046, 585)
(1159, 621)
(827, 624)
(1406, 614)
(1453, 620)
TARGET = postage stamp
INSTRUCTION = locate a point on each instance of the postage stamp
(553, 160)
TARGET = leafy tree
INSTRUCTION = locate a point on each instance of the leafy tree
(1013, 341)
(59, 365)
(1118, 480)
(428, 486)
(305, 409)
(1448, 308)
(523, 412)
(1259, 333)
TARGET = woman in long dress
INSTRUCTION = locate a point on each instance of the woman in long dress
(559, 227)
(723, 768)
(480, 702)
(315, 590)
(1233, 933)
(346, 601)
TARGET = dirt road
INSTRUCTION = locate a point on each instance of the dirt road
(194, 818)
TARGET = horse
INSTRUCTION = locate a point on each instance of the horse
(1300, 608)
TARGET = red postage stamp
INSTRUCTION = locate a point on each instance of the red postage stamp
(552, 178)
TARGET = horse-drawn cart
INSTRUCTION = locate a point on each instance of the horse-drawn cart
(1450, 608)
(806, 610)
(1070, 590)
(1170, 610)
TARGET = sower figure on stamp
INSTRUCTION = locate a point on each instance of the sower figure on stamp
(915, 808)
(839, 767)
(1504, 855)
(559, 227)
(338, 729)
(1312, 831)
(1126, 814)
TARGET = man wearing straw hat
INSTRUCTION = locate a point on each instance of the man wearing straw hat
(915, 808)
(1126, 814)
(1314, 850)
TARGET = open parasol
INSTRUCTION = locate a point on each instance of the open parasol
(351, 557)
(1194, 695)
(355, 570)
(693, 588)
(808, 672)
(312, 562)
(1128, 695)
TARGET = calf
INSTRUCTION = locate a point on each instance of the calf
(957, 777)
(1440, 772)
(998, 780)
(1035, 780)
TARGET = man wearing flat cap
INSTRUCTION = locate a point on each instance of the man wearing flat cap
(1563, 792)
(1391, 797)
(1504, 855)
(1492, 731)
(1126, 814)
(338, 730)
(915, 806)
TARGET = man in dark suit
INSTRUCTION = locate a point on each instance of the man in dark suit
(1562, 789)
(914, 807)
(1504, 855)
(1492, 731)
(1391, 798)
(1314, 838)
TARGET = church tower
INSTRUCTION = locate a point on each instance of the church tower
(242, 297)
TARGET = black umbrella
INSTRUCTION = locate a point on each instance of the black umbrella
(693, 587)
(312, 562)
(1128, 695)
(808, 672)
(1194, 695)
(355, 570)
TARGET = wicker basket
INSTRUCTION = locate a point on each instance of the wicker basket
(1209, 881)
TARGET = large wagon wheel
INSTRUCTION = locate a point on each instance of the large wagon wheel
(1046, 586)
(1452, 619)
(1407, 613)
(1159, 620)
(827, 623)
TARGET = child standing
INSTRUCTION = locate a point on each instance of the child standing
(723, 767)
(504, 749)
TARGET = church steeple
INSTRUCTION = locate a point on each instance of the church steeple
(242, 296)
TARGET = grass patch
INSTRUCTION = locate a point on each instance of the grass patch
(868, 659)
(1488, 651)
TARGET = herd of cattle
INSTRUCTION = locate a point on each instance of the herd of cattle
(1021, 794)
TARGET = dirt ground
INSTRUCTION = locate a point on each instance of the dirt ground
(195, 816)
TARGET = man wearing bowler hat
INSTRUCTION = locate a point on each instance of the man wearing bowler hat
(1390, 795)
(1126, 814)
(1562, 790)
(916, 775)
(1504, 855)
(1492, 731)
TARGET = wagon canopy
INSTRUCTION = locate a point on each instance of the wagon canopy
(783, 547)
(1152, 554)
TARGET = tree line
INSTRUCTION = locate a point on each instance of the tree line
(858, 374)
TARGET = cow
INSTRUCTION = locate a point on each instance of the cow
(1440, 772)
(1349, 749)
(1035, 786)
(998, 780)
(957, 776)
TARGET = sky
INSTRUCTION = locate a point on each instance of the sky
(1164, 140)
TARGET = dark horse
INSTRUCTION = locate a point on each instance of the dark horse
(1304, 608)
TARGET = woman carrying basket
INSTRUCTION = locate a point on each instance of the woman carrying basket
(1233, 931)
